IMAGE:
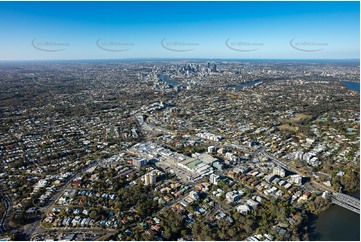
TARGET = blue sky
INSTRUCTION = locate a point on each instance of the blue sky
(116, 30)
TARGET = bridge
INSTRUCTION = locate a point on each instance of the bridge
(346, 201)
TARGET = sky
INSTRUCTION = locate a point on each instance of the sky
(117, 30)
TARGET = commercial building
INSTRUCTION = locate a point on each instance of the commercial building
(205, 158)
(214, 179)
(218, 165)
(212, 149)
(138, 163)
(196, 166)
(232, 157)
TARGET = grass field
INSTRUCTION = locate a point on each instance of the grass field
(300, 116)
(287, 127)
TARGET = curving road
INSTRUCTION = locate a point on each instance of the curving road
(8, 204)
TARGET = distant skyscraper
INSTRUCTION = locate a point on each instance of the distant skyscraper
(208, 65)
(214, 68)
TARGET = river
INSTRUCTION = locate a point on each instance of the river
(336, 224)
(245, 84)
(167, 79)
(355, 86)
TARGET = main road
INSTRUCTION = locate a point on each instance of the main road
(291, 168)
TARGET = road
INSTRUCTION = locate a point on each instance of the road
(216, 208)
(170, 204)
(275, 160)
(8, 204)
(289, 167)
(78, 231)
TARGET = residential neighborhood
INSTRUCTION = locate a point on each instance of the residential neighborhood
(167, 156)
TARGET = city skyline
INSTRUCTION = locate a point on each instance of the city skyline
(213, 30)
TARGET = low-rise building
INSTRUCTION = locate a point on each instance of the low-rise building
(244, 209)
(279, 171)
(296, 179)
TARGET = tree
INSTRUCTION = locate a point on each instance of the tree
(167, 233)
(62, 213)
(236, 216)
(184, 233)
(281, 214)
(93, 215)
(221, 184)
(231, 232)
